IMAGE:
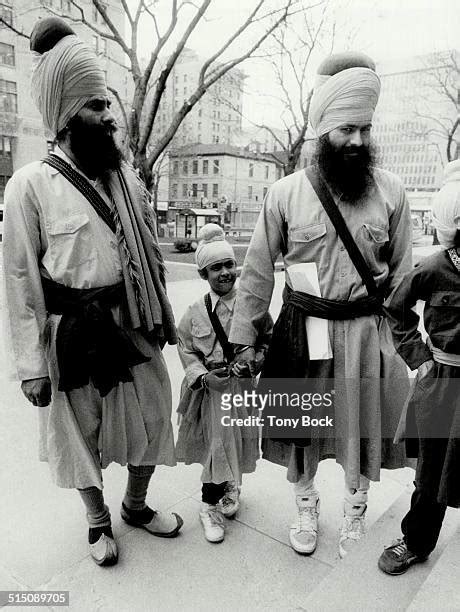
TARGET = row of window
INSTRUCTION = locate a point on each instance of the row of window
(194, 167)
(8, 97)
(193, 191)
(419, 180)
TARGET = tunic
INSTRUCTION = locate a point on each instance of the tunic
(432, 426)
(293, 222)
(52, 230)
(225, 452)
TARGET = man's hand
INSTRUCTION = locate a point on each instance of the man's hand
(217, 379)
(425, 367)
(37, 391)
(244, 361)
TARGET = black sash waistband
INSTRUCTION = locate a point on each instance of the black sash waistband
(89, 344)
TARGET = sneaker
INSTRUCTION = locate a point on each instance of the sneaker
(353, 528)
(102, 546)
(303, 535)
(397, 558)
(230, 502)
(213, 523)
(156, 523)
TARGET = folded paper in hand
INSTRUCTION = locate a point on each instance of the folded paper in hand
(304, 277)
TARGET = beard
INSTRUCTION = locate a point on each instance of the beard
(94, 147)
(347, 170)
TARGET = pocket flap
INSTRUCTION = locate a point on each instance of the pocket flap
(308, 233)
(200, 331)
(376, 233)
(69, 225)
(445, 298)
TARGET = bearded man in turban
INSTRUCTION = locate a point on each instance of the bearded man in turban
(87, 305)
(370, 380)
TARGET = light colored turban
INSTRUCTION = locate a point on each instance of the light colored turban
(446, 205)
(64, 79)
(349, 96)
(212, 246)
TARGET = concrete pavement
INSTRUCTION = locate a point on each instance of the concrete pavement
(43, 531)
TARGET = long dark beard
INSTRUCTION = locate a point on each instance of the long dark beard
(348, 175)
(94, 147)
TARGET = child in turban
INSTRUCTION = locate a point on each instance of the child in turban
(433, 410)
(207, 433)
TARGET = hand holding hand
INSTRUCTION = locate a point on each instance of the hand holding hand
(217, 379)
(37, 391)
(245, 361)
(425, 367)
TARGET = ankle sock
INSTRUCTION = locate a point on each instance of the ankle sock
(136, 489)
(97, 513)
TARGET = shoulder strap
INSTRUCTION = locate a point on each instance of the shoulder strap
(341, 228)
(220, 332)
(83, 186)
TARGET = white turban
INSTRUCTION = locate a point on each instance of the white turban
(64, 79)
(212, 246)
(446, 205)
(349, 96)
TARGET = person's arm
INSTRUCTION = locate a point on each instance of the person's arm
(191, 360)
(403, 319)
(400, 244)
(26, 311)
(257, 277)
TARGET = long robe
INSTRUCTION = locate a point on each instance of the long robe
(51, 230)
(293, 222)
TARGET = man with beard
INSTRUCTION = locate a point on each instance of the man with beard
(87, 305)
(370, 380)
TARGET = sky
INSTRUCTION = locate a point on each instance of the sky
(385, 29)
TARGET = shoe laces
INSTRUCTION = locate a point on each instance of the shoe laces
(399, 548)
(308, 519)
(214, 517)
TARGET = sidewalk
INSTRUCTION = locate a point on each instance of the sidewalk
(43, 531)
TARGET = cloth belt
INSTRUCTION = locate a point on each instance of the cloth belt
(89, 344)
(449, 359)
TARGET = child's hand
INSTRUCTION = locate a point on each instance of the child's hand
(217, 379)
(241, 370)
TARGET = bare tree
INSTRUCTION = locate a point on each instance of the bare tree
(437, 105)
(140, 117)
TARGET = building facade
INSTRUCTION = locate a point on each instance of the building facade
(221, 176)
(418, 103)
(22, 138)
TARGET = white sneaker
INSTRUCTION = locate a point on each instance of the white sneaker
(303, 535)
(213, 523)
(230, 502)
(353, 528)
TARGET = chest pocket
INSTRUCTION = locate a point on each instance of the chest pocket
(70, 239)
(203, 338)
(376, 234)
(309, 233)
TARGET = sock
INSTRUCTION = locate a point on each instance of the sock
(136, 489)
(97, 513)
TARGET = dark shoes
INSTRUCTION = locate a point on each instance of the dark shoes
(156, 523)
(397, 558)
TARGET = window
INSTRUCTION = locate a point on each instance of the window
(184, 190)
(215, 167)
(6, 12)
(194, 190)
(3, 181)
(66, 6)
(95, 41)
(215, 190)
(205, 166)
(104, 47)
(95, 13)
(267, 170)
(174, 191)
(251, 169)
(264, 192)
(8, 97)
(199, 112)
(204, 188)
(195, 166)
(217, 139)
(7, 54)
(5, 146)
(176, 168)
(185, 167)
(199, 126)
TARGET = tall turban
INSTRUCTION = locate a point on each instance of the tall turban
(446, 206)
(348, 96)
(65, 76)
(212, 246)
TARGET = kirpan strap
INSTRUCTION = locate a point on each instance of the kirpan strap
(83, 186)
(220, 332)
